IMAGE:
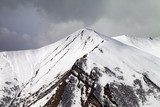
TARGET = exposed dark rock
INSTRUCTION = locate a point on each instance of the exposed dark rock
(5, 100)
(55, 99)
(153, 88)
(100, 50)
(124, 95)
(108, 92)
(140, 91)
(67, 98)
(95, 73)
(109, 72)
(150, 83)
(8, 83)
(118, 69)
(81, 62)
(93, 94)
(150, 38)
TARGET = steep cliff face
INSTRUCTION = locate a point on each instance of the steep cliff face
(84, 69)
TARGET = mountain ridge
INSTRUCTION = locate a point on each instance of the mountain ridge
(83, 69)
(149, 45)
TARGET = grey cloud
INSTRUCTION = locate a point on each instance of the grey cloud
(12, 4)
(35, 23)
(23, 25)
(60, 30)
(23, 19)
(87, 11)
(134, 12)
(132, 17)
(10, 40)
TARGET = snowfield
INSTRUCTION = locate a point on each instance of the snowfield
(84, 69)
(149, 45)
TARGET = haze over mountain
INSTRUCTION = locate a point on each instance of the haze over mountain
(84, 69)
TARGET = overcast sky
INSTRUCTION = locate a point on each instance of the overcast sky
(26, 24)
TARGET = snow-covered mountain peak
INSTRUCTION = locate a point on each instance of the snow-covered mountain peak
(84, 69)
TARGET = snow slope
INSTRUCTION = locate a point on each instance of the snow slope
(149, 45)
(46, 75)
(126, 65)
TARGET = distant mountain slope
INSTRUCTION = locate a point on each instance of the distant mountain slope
(84, 69)
(149, 45)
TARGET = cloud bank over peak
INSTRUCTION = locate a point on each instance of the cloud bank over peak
(36, 23)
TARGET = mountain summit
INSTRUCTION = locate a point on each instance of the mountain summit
(85, 69)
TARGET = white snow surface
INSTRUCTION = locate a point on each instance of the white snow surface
(127, 61)
(34, 70)
(150, 45)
